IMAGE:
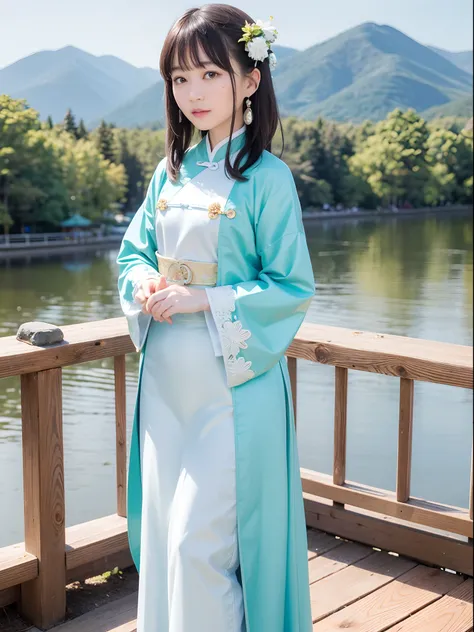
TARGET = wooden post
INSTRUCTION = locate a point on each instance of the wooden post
(340, 426)
(405, 435)
(43, 600)
(121, 434)
(471, 492)
(292, 369)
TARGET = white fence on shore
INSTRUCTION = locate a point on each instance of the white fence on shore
(44, 240)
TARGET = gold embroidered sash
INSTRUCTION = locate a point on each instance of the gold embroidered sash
(185, 272)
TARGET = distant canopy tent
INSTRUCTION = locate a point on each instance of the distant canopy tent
(76, 221)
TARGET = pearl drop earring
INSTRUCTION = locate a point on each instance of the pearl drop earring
(248, 114)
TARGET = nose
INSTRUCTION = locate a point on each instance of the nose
(194, 96)
(195, 93)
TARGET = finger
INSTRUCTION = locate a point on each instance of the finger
(140, 297)
(156, 297)
(162, 283)
(167, 313)
(159, 308)
(166, 310)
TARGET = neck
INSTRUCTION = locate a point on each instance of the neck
(221, 132)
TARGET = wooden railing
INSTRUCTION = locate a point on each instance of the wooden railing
(34, 573)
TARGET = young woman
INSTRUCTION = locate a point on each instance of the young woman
(215, 280)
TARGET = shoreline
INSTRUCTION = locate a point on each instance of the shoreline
(38, 251)
(364, 213)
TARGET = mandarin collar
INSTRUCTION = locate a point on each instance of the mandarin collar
(214, 156)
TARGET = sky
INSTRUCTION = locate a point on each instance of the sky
(134, 30)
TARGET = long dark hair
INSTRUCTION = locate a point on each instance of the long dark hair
(216, 28)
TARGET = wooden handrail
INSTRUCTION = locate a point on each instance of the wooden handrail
(399, 356)
(52, 554)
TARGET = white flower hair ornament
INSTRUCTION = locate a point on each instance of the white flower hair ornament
(258, 38)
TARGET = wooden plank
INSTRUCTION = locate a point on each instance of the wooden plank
(336, 559)
(319, 542)
(340, 426)
(435, 515)
(121, 433)
(452, 613)
(43, 600)
(16, 566)
(122, 559)
(117, 616)
(354, 582)
(405, 439)
(392, 603)
(95, 539)
(293, 371)
(9, 596)
(471, 495)
(388, 534)
(399, 356)
(83, 342)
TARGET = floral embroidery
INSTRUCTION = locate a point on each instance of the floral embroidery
(234, 337)
(231, 333)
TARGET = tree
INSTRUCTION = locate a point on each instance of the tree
(392, 160)
(69, 124)
(93, 183)
(105, 141)
(82, 130)
(133, 170)
(17, 123)
(49, 122)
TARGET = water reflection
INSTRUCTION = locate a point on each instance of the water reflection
(406, 276)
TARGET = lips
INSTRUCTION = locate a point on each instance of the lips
(200, 112)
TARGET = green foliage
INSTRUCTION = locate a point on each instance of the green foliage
(393, 159)
(69, 124)
(105, 141)
(82, 130)
(48, 173)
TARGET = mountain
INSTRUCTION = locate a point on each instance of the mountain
(147, 109)
(53, 81)
(462, 59)
(362, 73)
(366, 72)
(461, 107)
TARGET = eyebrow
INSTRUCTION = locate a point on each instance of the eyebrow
(203, 63)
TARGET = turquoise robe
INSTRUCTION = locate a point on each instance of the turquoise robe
(263, 256)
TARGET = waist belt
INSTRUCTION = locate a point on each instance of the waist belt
(185, 272)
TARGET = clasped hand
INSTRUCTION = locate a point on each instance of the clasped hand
(162, 300)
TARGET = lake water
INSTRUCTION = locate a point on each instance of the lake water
(410, 276)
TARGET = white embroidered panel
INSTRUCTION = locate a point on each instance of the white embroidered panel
(185, 231)
(231, 333)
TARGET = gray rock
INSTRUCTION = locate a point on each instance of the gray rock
(40, 334)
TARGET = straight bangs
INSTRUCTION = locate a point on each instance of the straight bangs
(187, 46)
(213, 30)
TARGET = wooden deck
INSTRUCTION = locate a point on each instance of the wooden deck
(353, 587)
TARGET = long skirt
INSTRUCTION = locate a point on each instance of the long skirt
(189, 549)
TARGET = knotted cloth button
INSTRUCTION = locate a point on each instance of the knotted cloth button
(214, 210)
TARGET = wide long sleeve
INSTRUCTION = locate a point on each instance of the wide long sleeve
(137, 259)
(257, 320)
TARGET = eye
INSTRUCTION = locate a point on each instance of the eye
(211, 72)
(178, 80)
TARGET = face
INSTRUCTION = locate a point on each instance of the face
(204, 95)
